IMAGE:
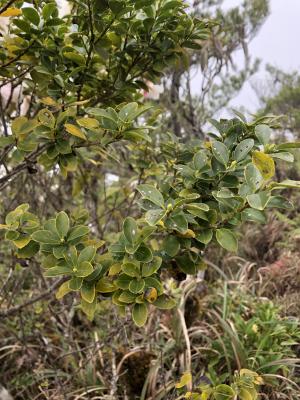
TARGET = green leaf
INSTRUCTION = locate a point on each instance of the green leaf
(29, 250)
(187, 265)
(177, 222)
(75, 283)
(136, 135)
(150, 282)
(251, 214)
(84, 269)
(164, 302)
(288, 183)
(56, 271)
(22, 241)
(131, 269)
(204, 236)
(136, 285)
(197, 209)
(290, 145)
(253, 177)
(88, 292)
(128, 112)
(189, 194)
(75, 57)
(185, 379)
(224, 392)
(59, 251)
(150, 193)
(171, 245)
(46, 118)
(47, 237)
(284, 155)
(77, 232)
(62, 223)
(227, 239)
(87, 254)
(127, 297)
(221, 152)
(258, 200)
(89, 308)
(152, 217)
(279, 202)
(140, 314)
(263, 133)
(264, 163)
(123, 281)
(152, 267)
(6, 141)
(108, 117)
(31, 14)
(200, 160)
(242, 149)
(48, 10)
(63, 290)
(145, 233)
(130, 230)
(105, 285)
(143, 253)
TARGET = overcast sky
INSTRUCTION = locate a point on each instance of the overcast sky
(277, 43)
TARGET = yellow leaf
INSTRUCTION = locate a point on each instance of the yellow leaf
(62, 290)
(88, 122)
(151, 294)
(73, 130)
(20, 243)
(115, 269)
(184, 380)
(94, 242)
(11, 12)
(154, 244)
(245, 395)
(188, 234)
(48, 101)
(78, 103)
(264, 163)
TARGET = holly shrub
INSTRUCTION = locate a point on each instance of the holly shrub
(84, 75)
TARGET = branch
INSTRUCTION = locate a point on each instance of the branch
(47, 293)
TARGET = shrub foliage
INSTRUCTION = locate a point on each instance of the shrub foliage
(83, 76)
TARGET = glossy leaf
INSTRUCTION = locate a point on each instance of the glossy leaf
(136, 285)
(62, 224)
(221, 152)
(130, 230)
(263, 133)
(242, 149)
(75, 131)
(258, 200)
(152, 194)
(227, 239)
(140, 314)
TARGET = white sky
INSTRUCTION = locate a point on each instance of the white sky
(277, 43)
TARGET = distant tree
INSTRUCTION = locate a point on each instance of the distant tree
(209, 65)
(282, 97)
